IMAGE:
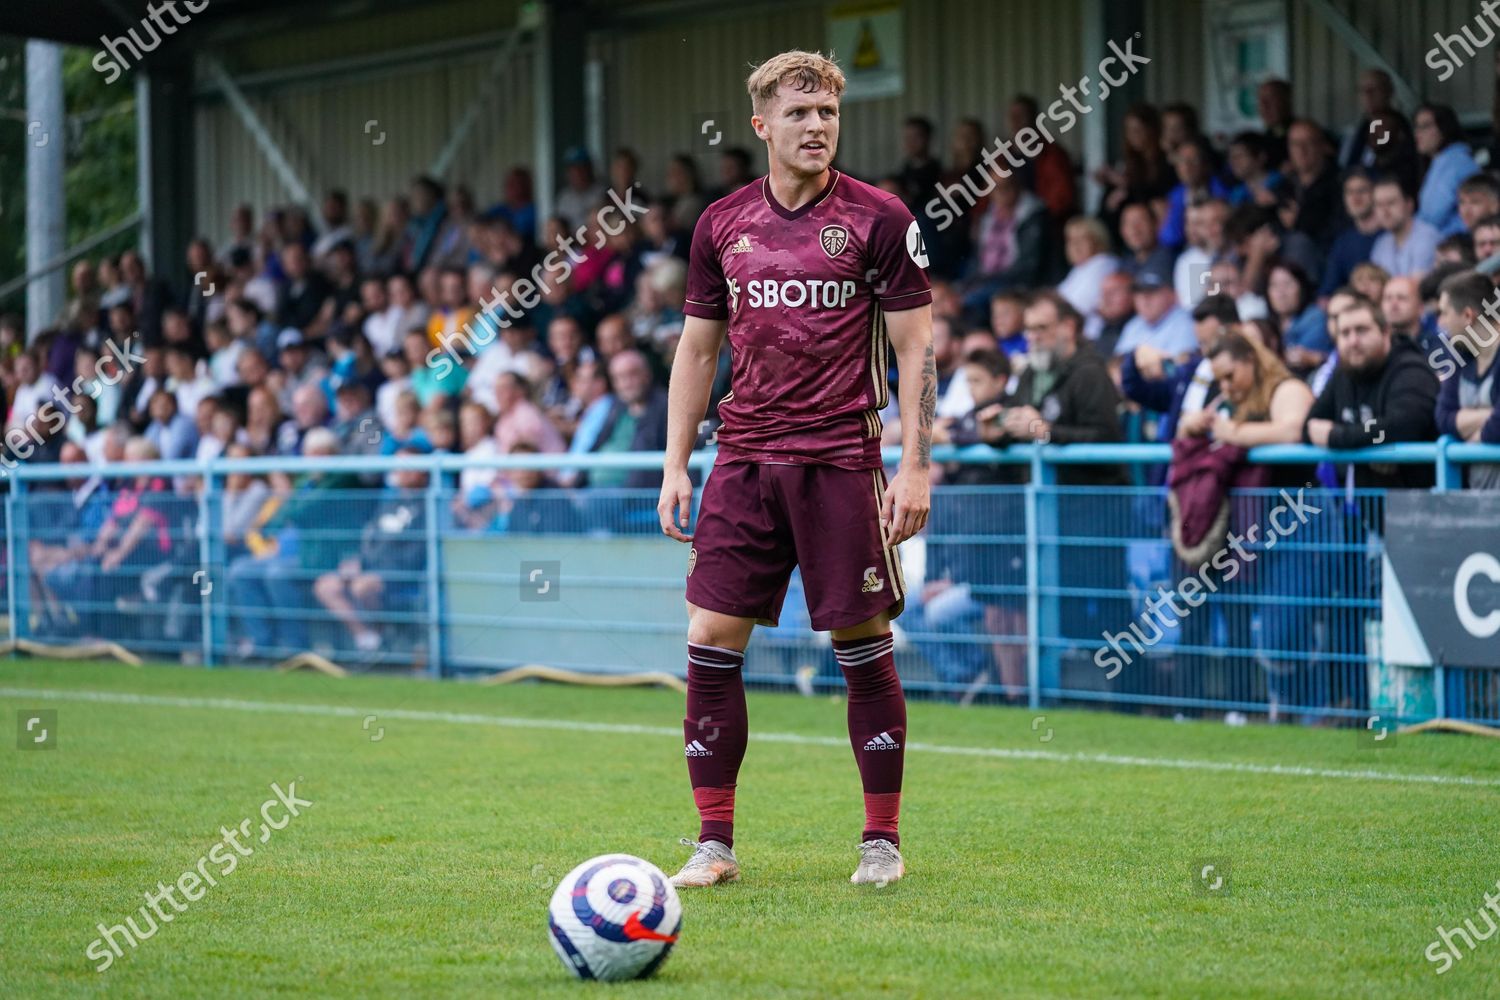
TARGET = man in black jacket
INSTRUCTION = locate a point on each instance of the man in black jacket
(1065, 395)
(1382, 392)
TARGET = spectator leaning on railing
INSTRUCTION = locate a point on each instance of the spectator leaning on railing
(1262, 402)
(1382, 392)
(1469, 403)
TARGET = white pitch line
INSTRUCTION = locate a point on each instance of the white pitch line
(511, 722)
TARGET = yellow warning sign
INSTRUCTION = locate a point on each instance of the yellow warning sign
(868, 42)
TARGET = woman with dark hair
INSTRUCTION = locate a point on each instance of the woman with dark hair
(684, 199)
(1249, 162)
(388, 246)
(1450, 162)
(1263, 331)
(1144, 173)
(1197, 168)
(1262, 402)
(1394, 151)
(950, 246)
(518, 206)
(965, 148)
(1303, 326)
(1179, 123)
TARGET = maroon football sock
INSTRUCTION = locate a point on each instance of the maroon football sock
(877, 728)
(713, 736)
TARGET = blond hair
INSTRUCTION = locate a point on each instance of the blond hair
(808, 72)
(1092, 228)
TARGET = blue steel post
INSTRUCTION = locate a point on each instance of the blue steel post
(18, 537)
(11, 583)
(434, 576)
(1440, 690)
(1047, 567)
(1449, 476)
(208, 530)
(1033, 560)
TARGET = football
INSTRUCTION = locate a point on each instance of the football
(614, 917)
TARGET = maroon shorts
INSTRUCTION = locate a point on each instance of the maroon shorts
(758, 521)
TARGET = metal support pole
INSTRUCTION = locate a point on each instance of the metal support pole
(18, 542)
(263, 140)
(46, 216)
(1033, 604)
(145, 161)
(1048, 570)
(11, 581)
(434, 577)
(543, 159)
(1448, 475)
(208, 530)
(489, 89)
(1095, 127)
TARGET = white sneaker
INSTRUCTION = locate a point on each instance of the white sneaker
(367, 642)
(879, 863)
(712, 863)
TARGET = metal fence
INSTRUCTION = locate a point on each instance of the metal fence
(1036, 593)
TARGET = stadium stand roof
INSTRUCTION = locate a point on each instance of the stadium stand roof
(84, 22)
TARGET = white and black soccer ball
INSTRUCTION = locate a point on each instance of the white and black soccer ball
(614, 917)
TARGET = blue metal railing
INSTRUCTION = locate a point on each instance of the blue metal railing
(449, 563)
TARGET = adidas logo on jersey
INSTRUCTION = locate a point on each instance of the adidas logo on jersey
(696, 749)
(883, 742)
(872, 584)
(742, 245)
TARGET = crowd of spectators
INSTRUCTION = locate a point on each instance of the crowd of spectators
(1272, 235)
(1290, 283)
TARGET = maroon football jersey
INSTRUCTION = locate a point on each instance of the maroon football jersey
(804, 292)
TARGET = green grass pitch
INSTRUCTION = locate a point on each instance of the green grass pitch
(1066, 866)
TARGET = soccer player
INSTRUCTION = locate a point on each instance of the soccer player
(813, 276)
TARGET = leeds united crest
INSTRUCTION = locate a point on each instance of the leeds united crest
(834, 239)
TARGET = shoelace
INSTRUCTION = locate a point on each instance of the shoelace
(883, 850)
(701, 851)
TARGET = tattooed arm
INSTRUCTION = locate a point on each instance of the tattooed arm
(908, 498)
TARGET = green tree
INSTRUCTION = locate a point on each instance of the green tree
(12, 165)
(100, 173)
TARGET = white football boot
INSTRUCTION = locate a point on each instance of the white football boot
(712, 863)
(879, 864)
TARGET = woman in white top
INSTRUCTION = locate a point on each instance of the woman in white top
(386, 330)
(1087, 245)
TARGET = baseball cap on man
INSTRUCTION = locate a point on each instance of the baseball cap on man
(1149, 279)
